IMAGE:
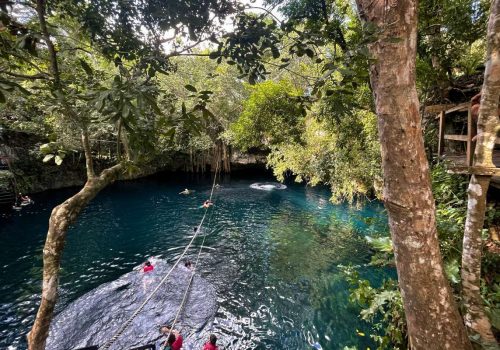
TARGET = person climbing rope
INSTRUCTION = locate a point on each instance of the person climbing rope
(210, 344)
(148, 267)
(174, 341)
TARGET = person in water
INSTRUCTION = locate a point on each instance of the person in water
(210, 344)
(208, 203)
(188, 264)
(186, 191)
(174, 341)
(148, 267)
(24, 198)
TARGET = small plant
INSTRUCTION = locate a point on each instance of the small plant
(53, 150)
(382, 308)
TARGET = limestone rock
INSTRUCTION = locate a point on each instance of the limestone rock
(95, 317)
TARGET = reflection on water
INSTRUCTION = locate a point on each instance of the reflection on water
(272, 256)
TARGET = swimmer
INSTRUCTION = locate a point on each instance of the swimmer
(148, 267)
(186, 191)
(188, 264)
(208, 203)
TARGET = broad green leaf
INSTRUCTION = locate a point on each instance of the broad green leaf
(45, 148)
(452, 271)
(126, 110)
(190, 88)
(383, 244)
(48, 157)
(86, 67)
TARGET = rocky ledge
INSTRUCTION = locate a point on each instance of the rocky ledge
(95, 317)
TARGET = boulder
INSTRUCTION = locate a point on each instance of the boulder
(96, 316)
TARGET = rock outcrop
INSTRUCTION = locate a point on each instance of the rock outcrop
(95, 317)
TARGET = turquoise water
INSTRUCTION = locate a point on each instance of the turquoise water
(273, 256)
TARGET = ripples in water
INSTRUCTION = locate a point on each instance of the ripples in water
(272, 256)
(267, 186)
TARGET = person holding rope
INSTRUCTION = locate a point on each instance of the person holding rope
(174, 340)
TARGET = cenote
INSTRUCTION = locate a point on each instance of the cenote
(274, 256)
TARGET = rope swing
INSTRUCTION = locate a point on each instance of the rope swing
(127, 323)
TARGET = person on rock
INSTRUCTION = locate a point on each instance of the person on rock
(210, 344)
(174, 341)
(148, 267)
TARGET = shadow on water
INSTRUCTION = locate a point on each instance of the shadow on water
(273, 256)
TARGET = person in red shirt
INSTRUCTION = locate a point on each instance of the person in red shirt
(210, 344)
(174, 341)
(148, 267)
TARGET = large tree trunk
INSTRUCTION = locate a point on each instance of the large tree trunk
(488, 124)
(60, 219)
(432, 315)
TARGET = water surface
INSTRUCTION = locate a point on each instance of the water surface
(273, 256)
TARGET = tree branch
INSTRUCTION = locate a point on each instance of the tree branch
(25, 76)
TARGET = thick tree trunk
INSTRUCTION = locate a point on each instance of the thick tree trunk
(60, 219)
(432, 315)
(488, 125)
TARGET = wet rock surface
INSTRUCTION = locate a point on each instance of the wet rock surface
(96, 316)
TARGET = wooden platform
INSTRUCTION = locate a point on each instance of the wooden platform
(459, 160)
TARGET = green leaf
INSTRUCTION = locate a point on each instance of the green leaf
(383, 244)
(58, 160)
(45, 148)
(275, 52)
(213, 55)
(452, 271)
(126, 110)
(48, 157)
(86, 67)
(190, 88)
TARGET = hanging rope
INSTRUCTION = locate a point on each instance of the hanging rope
(181, 306)
(125, 325)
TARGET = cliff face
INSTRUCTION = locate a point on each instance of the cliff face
(32, 175)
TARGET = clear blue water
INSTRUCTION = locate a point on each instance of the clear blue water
(273, 256)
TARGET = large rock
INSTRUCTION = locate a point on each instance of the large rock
(97, 315)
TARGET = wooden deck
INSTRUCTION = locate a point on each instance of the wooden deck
(460, 160)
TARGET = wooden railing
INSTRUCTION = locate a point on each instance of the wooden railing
(468, 138)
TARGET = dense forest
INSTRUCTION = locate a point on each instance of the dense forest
(325, 92)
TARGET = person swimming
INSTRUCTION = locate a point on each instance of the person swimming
(186, 191)
(207, 204)
(148, 267)
(188, 264)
